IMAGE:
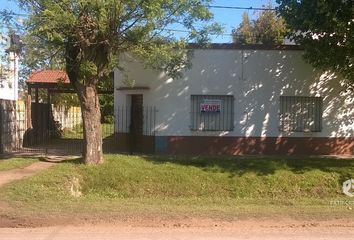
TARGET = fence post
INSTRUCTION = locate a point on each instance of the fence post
(28, 110)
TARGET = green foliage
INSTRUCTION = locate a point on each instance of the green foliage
(267, 29)
(89, 34)
(107, 108)
(65, 99)
(244, 34)
(58, 99)
(37, 55)
(77, 131)
(326, 31)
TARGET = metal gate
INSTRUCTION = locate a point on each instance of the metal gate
(135, 128)
(52, 130)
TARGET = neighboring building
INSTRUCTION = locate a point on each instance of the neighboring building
(9, 77)
(10, 46)
(9, 49)
(252, 100)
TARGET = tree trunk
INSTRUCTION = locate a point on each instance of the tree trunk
(91, 117)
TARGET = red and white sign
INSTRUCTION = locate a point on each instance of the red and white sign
(210, 106)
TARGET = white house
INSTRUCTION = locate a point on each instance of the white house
(235, 100)
(9, 78)
(9, 138)
(8, 70)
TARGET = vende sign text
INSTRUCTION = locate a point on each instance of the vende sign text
(210, 105)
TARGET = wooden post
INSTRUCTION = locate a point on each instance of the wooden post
(48, 96)
(29, 108)
(49, 111)
(36, 97)
(36, 123)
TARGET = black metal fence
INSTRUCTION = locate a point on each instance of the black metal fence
(59, 130)
(124, 121)
(50, 130)
(135, 128)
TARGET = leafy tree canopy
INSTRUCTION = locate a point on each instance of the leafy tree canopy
(244, 34)
(267, 29)
(326, 31)
(104, 29)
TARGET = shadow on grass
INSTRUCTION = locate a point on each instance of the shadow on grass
(78, 160)
(261, 165)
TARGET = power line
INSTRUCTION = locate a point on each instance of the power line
(208, 6)
(241, 8)
(166, 29)
(186, 31)
(16, 14)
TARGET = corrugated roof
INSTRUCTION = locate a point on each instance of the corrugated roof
(48, 76)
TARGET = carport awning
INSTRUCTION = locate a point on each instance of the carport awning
(55, 81)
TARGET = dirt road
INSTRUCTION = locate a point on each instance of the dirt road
(245, 229)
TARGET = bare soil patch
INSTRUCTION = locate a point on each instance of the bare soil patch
(16, 174)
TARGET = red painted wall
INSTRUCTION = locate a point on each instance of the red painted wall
(260, 145)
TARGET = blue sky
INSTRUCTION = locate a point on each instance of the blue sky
(228, 18)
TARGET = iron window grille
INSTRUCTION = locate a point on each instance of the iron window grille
(212, 113)
(300, 114)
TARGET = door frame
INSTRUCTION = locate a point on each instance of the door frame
(136, 125)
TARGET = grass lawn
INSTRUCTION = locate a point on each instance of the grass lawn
(77, 131)
(194, 186)
(11, 163)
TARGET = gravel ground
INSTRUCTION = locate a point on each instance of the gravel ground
(243, 229)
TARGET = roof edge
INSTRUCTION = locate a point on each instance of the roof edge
(132, 88)
(234, 46)
(48, 76)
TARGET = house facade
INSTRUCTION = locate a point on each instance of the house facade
(8, 94)
(9, 77)
(248, 100)
(9, 67)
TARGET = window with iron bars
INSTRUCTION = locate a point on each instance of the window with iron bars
(300, 114)
(212, 113)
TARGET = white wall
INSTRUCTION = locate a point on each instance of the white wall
(9, 80)
(256, 78)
